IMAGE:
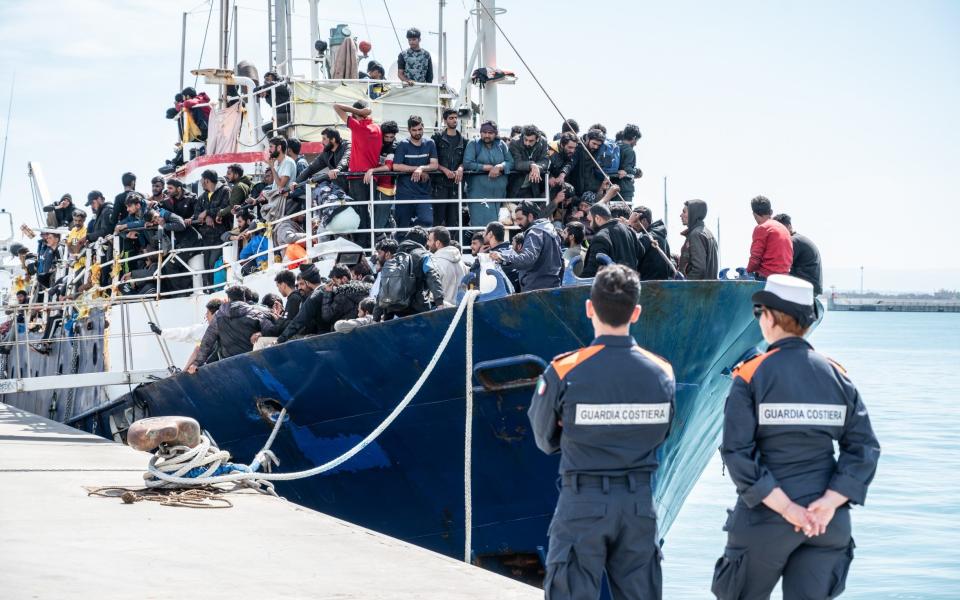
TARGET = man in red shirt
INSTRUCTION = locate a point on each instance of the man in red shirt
(772, 249)
(365, 142)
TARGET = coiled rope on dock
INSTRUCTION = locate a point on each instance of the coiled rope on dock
(205, 464)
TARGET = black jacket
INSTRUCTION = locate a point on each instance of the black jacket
(339, 159)
(449, 152)
(309, 318)
(183, 205)
(784, 412)
(231, 330)
(698, 256)
(62, 216)
(101, 224)
(611, 425)
(523, 158)
(806, 262)
(653, 264)
(212, 203)
(616, 240)
(342, 302)
(584, 175)
(429, 287)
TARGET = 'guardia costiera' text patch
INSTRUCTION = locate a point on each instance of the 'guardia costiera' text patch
(623, 414)
(830, 415)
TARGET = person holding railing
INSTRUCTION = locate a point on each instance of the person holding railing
(386, 185)
(179, 200)
(415, 158)
(451, 146)
(490, 155)
(530, 164)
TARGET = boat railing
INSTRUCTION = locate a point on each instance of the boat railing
(85, 284)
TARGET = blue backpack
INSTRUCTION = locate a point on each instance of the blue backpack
(609, 157)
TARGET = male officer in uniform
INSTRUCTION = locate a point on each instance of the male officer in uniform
(784, 412)
(607, 408)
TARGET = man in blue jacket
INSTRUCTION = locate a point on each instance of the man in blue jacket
(540, 261)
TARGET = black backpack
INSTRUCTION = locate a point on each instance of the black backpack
(398, 283)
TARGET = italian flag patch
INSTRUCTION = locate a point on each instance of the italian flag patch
(541, 386)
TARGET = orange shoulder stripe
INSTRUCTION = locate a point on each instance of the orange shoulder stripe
(837, 365)
(746, 370)
(657, 360)
(566, 363)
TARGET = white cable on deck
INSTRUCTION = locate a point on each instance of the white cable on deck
(155, 473)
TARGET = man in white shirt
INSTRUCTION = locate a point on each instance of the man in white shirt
(283, 167)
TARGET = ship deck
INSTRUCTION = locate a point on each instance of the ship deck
(58, 542)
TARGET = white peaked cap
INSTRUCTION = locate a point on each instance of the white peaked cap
(790, 289)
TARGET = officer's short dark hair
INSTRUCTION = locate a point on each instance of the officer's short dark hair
(761, 206)
(497, 230)
(417, 234)
(286, 276)
(441, 234)
(614, 294)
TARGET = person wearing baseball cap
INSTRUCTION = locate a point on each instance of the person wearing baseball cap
(785, 410)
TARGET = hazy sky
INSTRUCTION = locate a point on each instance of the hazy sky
(845, 114)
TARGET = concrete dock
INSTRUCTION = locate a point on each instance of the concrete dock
(57, 542)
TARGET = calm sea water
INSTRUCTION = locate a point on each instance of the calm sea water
(907, 368)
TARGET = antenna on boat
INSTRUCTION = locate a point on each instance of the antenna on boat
(666, 224)
(6, 131)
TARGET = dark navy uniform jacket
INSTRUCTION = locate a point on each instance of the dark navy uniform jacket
(615, 401)
(784, 411)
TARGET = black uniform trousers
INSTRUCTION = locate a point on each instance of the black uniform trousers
(762, 546)
(604, 524)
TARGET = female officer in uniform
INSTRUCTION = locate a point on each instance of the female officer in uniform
(784, 412)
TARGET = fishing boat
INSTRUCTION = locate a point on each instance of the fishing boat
(105, 367)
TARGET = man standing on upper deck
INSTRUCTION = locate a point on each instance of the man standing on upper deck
(365, 142)
(490, 157)
(450, 148)
(415, 158)
(530, 163)
(771, 252)
(414, 64)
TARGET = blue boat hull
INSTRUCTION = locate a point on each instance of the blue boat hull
(409, 482)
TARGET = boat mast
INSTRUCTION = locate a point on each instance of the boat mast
(224, 57)
(183, 50)
(314, 36)
(6, 131)
(488, 41)
(440, 46)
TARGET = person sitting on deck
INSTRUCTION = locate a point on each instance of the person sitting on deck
(364, 317)
(198, 107)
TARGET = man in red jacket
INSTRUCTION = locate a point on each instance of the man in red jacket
(772, 249)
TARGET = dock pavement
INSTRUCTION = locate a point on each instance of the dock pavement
(57, 542)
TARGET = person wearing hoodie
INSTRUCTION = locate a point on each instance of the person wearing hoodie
(448, 262)
(699, 254)
(61, 213)
(540, 260)
(530, 164)
(341, 296)
(652, 264)
(232, 328)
